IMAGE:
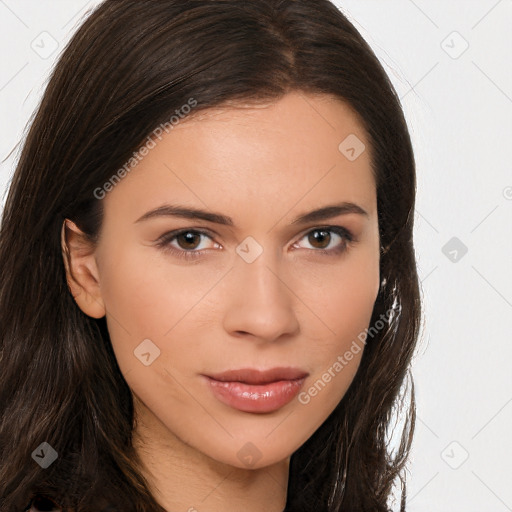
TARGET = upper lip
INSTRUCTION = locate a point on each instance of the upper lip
(254, 376)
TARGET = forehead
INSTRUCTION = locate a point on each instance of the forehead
(297, 125)
(290, 150)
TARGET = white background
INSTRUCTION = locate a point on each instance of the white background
(458, 104)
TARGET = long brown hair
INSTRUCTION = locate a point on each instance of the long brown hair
(126, 70)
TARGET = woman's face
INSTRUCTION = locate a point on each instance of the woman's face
(247, 286)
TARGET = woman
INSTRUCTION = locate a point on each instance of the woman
(209, 297)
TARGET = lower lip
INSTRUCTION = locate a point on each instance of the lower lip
(256, 398)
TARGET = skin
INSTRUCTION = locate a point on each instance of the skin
(292, 306)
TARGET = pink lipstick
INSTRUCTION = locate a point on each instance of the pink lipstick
(256, 391)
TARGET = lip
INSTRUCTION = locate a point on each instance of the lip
(256, 391)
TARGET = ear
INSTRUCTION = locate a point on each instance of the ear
(81, 270)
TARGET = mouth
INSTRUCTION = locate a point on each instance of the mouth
(256, 391)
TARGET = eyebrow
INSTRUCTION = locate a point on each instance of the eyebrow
(326, 212)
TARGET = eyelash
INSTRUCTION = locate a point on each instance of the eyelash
(164, 241)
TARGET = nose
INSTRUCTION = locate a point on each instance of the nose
(259, 302)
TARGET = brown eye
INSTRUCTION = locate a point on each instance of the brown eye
(319, 238)
(188, 240)
(332, 240)
(186, 243)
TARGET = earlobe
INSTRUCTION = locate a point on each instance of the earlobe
(81, 270)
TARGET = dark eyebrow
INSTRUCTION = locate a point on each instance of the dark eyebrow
(326, 212)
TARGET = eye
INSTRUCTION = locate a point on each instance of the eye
(187, 241)
(323, 241)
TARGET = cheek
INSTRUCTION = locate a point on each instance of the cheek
(148, 298)
(342, 295)
(343, 306)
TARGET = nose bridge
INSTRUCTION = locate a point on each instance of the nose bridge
(262, 275)
(260, 302)
(257, 268)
